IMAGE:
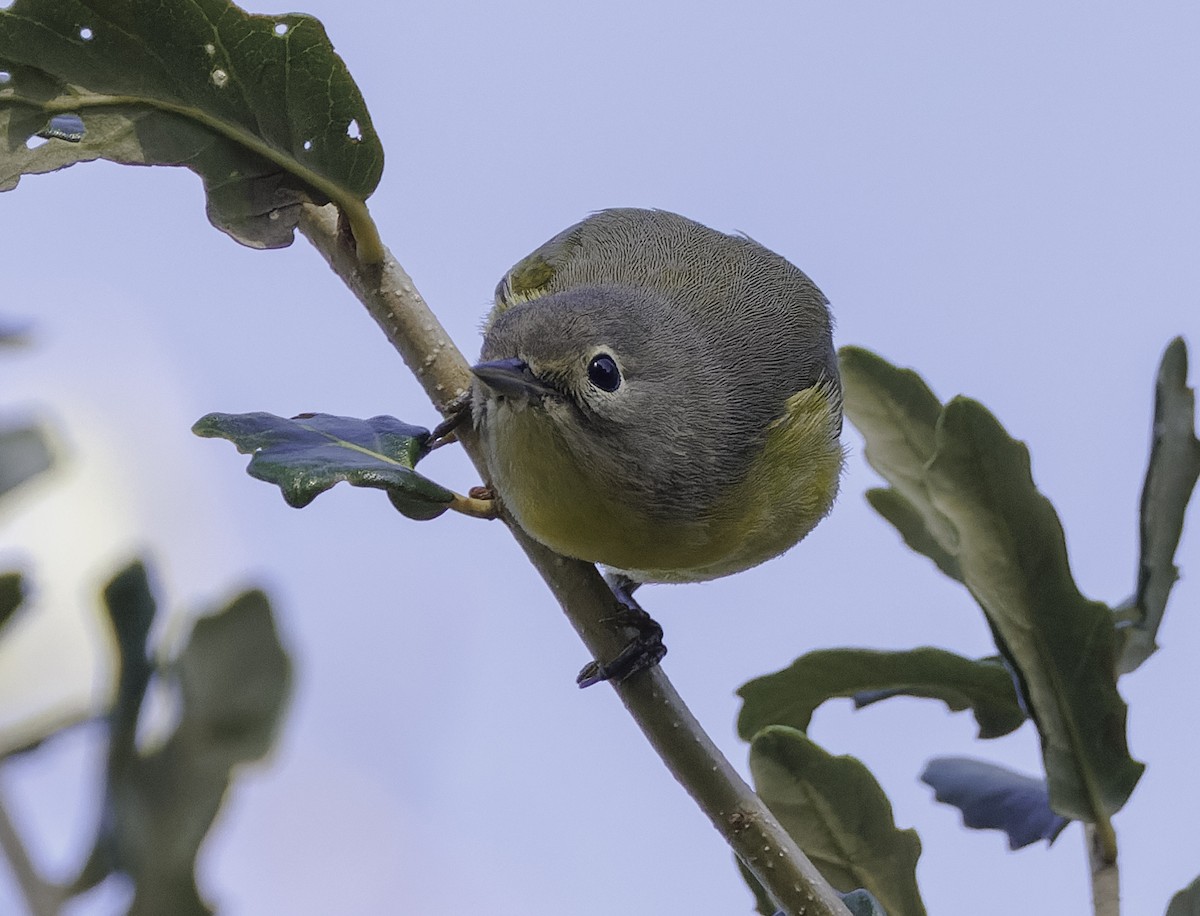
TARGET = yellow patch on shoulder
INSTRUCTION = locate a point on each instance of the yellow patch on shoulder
(529, 278)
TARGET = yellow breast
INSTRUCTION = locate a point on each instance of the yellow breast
(783, 495)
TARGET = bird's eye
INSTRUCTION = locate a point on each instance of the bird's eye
(603, 372)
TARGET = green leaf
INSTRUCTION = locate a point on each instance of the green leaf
(12, 593)
(1186, 902)
(839, 816)
(131, 607)
(308, 454)
(972, 486)
(260, 107)
(897, 415)
(908, 520)
(1170, 479)
(24, 453)
(1014, 560)
(233, 679)
(789, 697)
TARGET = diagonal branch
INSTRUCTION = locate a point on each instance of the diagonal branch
(738, 814)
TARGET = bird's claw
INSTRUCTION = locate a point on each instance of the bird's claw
(645, 650)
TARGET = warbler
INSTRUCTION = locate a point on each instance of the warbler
(660, 398)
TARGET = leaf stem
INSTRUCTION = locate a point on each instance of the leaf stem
(738, 814)
(1102, 862)
(476, 508)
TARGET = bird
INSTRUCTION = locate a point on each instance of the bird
(659, 398)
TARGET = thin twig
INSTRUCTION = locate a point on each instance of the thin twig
(42, 897)
(737, 813)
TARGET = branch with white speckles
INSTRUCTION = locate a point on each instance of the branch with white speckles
(734, 809)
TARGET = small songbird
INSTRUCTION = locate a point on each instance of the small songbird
(660, 398)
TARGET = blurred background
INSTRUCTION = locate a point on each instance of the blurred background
(1005, 198)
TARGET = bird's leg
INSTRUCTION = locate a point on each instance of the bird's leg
(645, 650)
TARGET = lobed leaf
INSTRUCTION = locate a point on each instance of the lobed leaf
(260, 107)
(791, 696)
(1014, 560)
(1170, 479)
(308, 454)
(992, 797)
(973, 488)
(839, 816)
(233, 679)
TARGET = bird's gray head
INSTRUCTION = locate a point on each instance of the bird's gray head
(620, 378)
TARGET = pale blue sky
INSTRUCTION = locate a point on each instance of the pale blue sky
(1005, 197)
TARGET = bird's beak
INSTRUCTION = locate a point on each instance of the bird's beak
(512, 378)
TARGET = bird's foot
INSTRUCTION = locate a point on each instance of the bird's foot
(645, 650)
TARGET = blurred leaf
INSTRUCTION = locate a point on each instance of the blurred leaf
(839, 816)
(789, 697)
(13, 335)
(975, 491)
(1186, 902)
(1170, 478)
(992, 797)
(307, 455)
(12, 593)
(233, 680)
(24, 453)
(260, 107)
(131, 607)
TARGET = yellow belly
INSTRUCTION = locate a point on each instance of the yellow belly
(781, 498)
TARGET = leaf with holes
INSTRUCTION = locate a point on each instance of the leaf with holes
(790, 696)
(260, 107)
(837, 813)
(308, 454)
